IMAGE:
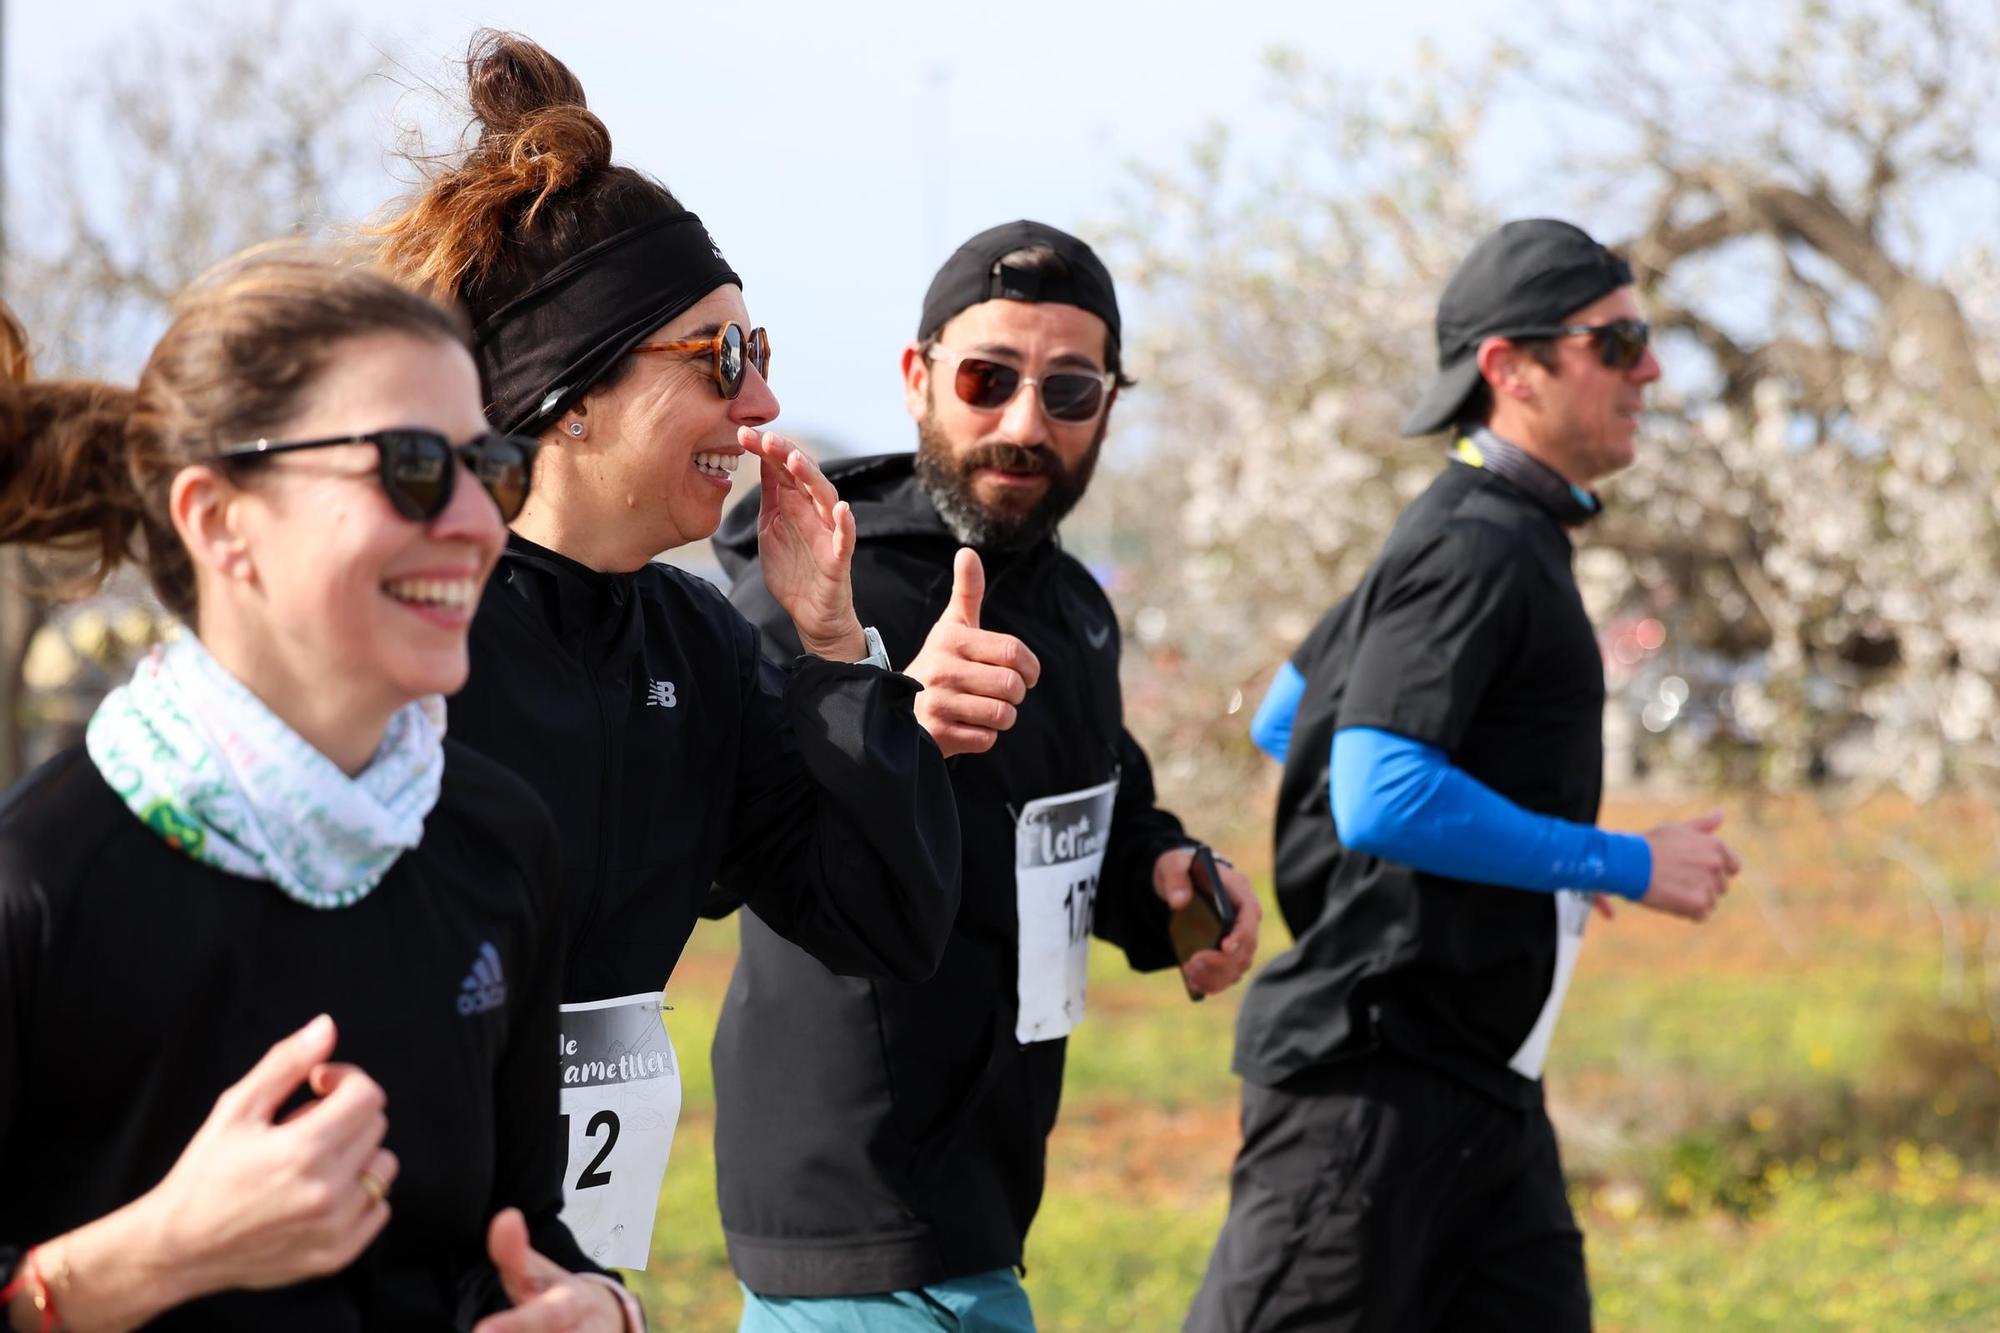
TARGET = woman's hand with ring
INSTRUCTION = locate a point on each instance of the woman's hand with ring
(256, 1201)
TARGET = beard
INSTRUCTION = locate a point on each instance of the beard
(946, 479)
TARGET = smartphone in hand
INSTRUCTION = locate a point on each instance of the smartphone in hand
(1208, 916)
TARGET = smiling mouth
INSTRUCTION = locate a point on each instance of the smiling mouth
(442, 594)
(722, 466)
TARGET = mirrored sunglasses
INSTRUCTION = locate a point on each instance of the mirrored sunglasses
(1067, 395)
(728, 350)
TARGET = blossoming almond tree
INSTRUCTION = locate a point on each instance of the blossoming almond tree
(1815, 517)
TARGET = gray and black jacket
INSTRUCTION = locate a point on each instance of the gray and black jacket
(876, 1135)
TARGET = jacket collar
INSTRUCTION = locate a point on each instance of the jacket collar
(577, 603)
(1570, 505)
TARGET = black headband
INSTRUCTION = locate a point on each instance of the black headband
(542, 350)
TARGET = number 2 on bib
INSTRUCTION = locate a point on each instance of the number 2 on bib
(592, 1177)
(620, 1100)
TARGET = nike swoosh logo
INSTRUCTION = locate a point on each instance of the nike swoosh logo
(1098, 637)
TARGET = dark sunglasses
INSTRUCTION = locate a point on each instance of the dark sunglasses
(416, 466)
(727, 349)
(1067, 395)
(1621, 343)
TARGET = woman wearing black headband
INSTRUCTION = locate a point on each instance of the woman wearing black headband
(629, 694)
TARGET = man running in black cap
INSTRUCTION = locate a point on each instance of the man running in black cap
(1437, 848)
(879, 1147)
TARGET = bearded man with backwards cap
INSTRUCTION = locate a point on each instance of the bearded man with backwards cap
(1437, 854)
(880, 1145)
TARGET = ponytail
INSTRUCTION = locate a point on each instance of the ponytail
(65, 479)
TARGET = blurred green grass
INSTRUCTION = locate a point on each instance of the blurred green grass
(1736, 1157)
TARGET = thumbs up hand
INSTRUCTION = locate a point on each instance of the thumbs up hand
(968, 588)
(973, 678)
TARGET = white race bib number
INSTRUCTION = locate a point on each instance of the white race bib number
(1572, 914)
(621, 1097)
(1058, 852)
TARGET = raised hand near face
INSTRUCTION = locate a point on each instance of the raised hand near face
(805, 540)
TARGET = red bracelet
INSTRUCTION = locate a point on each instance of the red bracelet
(29, 1278)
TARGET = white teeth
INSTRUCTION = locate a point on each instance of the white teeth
(717, 465)
(454, 594)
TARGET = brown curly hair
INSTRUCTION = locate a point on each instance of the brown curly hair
(536, 187)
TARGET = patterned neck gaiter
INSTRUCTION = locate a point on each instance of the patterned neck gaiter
(216, 774)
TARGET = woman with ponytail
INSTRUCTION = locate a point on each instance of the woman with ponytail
(629, 694)
(266, 852)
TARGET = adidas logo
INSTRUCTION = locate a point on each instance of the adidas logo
(485, 988)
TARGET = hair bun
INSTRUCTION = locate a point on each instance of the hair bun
(532, 111)
(536, 186)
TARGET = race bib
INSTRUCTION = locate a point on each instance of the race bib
(1058, 851)
(1572, 914)
(621, 1097)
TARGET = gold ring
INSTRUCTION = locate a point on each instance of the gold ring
(378, 1189)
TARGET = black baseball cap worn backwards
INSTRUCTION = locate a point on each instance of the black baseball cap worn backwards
(975, 274)
(1523, 278)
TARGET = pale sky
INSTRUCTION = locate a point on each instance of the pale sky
(838, 151)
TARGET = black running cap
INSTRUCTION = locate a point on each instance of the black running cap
(1523, 276)
(974, 274)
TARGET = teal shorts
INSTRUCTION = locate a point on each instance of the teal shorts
(992, 1302)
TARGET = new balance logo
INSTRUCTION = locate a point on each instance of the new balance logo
(660, 694)
(485, 988)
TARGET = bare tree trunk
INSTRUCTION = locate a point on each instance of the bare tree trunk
(20, 616)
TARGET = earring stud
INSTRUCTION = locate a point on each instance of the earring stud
(576, 429)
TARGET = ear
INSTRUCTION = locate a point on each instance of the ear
(1505, 367)
(916, 381)
(207, 512)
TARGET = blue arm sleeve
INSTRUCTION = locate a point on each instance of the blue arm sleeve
(1402, 800)
(1272, 727)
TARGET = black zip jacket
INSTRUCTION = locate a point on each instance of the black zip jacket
(674, 756)
(880, 1135)
(137, 983)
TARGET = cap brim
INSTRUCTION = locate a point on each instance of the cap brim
(1443, 401)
